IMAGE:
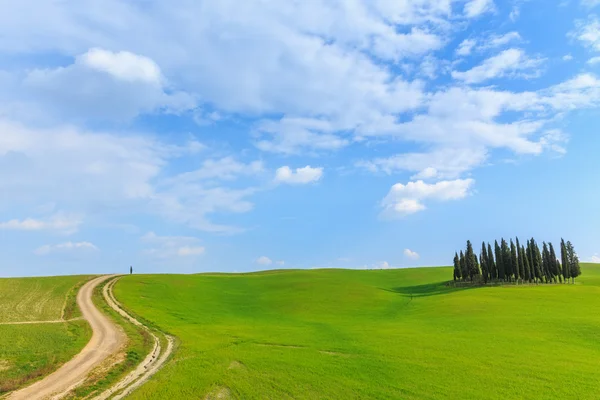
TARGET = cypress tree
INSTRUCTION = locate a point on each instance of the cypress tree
(499, 261)
(531, 257)
(483, 260)
(505, 259)
(546, 264)
(514, 263)
(564, 261)
(526, 265)
(464, 272)
(537, 255)
(492, 263)
(555, 265)
(498, 256)
(471, 260)
(456, 267)
(521, 261)
(574, 268)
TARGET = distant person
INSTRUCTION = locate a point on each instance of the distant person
(130, 270)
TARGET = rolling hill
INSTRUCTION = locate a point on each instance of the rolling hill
(346, 334)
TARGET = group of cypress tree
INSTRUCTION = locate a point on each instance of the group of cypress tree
(517, 263)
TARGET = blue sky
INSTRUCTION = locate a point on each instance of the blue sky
(236, 136)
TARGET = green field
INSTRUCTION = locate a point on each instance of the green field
(37, 299)
(345, 334)
(30, 351)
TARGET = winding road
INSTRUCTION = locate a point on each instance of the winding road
(107, 339)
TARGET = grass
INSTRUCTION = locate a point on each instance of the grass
(388, 334)
(38, 299)
(29, 352)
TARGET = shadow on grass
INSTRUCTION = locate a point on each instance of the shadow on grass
(430, 289)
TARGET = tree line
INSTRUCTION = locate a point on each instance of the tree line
(515, 262)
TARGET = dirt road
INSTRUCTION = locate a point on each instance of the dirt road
(151, 364)
(106, 340)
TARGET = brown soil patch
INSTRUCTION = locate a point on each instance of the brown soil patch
(236, 365)
(221, 393)
(334, 353)
(279, 345)
(4, 365)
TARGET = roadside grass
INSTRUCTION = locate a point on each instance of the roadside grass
(385, 334)
(29, 352)
(139, 344)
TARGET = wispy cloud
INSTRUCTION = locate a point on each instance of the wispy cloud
(263, 260)
(508, 63)
(475, 8)
(172, 246)
(61, 223)
(67, 247)
(587, 32)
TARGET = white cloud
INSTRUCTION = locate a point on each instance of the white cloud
(567, 57)
(61, 223)
(588, 32)
(580, 91)
(382, 265)
(292, 135)
(377, 265)
(122, 65)
(303, 175)
(594, 60)
(407, 199)
(313, 74)
(190, 251)
(276, 59)
(429, 67)
(495, 41)
(101, 85)
(442, 163)
(322, 75)
(172, 246)
(406, 206)
(491, 42)
(191, 203)
(475, 8)
(595, 259)
(67, 247)
(280, 262)
(555, 140)
(413, 255)
(398, 46)
(68, 165)
(511, 62)
(514, 13)
(590, 3)
(263, 260)
(465, 47)
(226, 168)
(426, 173)
(477, 120)
(89, 171)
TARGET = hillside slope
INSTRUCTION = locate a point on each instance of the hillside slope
(49, 336)
(370, 334)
